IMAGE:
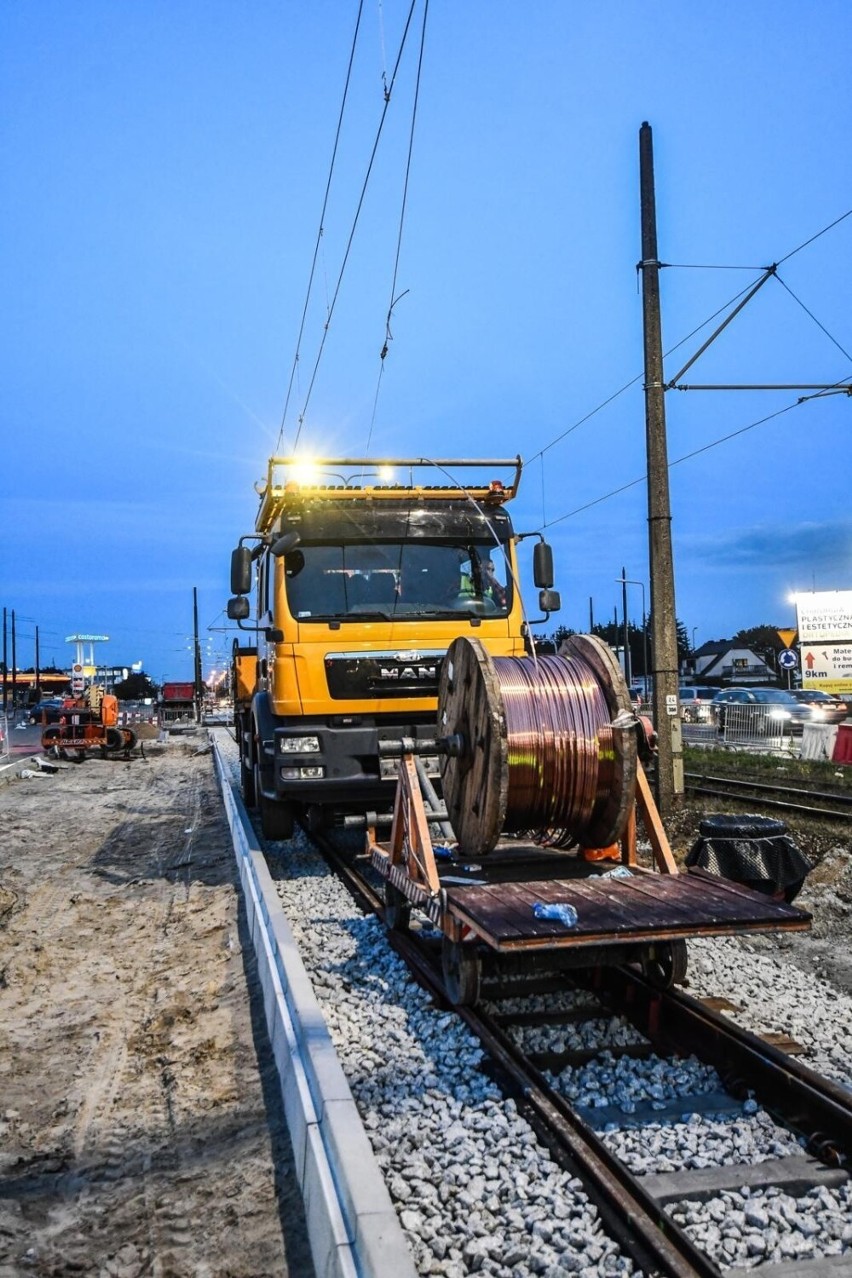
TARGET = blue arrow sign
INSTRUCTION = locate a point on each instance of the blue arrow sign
(788, 659)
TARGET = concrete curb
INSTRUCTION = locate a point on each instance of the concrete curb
(353, 1228)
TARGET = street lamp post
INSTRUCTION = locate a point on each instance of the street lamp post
(625, 582)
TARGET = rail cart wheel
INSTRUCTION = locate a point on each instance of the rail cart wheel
(667, 965)
(129, 738)
(397, 909)
(460, 966)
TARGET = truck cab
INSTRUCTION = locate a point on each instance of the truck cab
(359, 590)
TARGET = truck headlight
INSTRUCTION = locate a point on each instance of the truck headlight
(299, 745)
(302, 774)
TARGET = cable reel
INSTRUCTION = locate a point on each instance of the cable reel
(537, 743)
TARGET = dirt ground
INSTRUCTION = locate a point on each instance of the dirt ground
(141, 1130)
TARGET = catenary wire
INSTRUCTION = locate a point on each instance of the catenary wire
(723, 439)
(387, 100)
(561, 764)
(688, 336)
(813, 317)
(638, 377)
(320, 229)
(393, 297)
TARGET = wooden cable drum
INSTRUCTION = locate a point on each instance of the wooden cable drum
(538, 749)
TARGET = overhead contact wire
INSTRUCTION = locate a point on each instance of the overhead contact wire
(387, 100)
(321, 228)
(393, 297)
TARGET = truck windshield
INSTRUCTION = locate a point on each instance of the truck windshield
(397, 581)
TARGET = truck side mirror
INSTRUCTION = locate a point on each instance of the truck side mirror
(549, 600)
(238, 609)
(284, 544)
(543, 565)
(241, 573)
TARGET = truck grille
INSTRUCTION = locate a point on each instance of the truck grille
(370, 675)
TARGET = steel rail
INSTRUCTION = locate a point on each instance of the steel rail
(631, 1214)
(810, 1105)
(813, 1106)
(737, 783)
(760, 793)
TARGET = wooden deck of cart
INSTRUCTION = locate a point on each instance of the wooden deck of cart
(494, 899)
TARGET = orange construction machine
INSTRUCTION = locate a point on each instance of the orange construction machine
(89, 722)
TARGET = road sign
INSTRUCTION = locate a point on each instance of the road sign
(787, 659)
(827, 666)
(786, 636)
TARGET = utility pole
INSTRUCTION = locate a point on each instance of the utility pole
(5, 668)
(669, 782)
(37, 667)
(14, 668)
(197, 654)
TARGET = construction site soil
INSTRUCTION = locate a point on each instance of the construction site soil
(141, 1130)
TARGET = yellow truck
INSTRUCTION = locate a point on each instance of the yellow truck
(363, 572)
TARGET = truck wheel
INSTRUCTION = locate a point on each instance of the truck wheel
(276, 818)
(113, 739)
(247, 788)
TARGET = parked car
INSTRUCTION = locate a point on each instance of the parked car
(696, 703)
(824, 707)
(48, 711)
(781, 707)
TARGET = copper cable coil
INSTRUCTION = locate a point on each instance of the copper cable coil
(560, 749)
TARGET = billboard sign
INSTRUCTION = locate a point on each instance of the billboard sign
(825, 639)
(825, 615)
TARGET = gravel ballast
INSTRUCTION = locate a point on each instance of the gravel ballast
(475, 1190)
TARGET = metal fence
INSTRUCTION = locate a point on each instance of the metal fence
(4, 737)
(749, 727)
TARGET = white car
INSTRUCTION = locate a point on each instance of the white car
(695, 703)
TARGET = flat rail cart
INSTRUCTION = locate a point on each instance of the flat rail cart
(511, 903)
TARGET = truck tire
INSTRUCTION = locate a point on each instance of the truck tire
(247, 783)
(113, 740)
(276, 818)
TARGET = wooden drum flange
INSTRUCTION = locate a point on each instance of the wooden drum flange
(476, 783)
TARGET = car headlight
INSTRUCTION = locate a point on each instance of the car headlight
(299, 745)
(313, 773)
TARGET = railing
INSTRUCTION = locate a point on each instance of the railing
(759, 728)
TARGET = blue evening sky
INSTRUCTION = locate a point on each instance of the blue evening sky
(163, 170)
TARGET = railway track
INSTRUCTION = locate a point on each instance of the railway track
(558, 1168)
(752, 1074)
(797, 802)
